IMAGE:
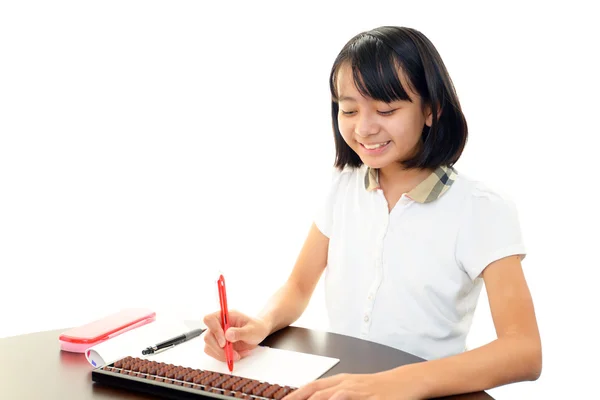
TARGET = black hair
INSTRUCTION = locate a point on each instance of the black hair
(375, 57)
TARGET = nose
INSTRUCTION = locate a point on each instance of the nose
(366, 125)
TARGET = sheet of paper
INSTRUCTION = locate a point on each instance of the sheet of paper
(131, 343)
(275, 366)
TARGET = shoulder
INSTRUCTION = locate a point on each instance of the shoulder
(489, 226)
(480, 197)
(342, 182)
(347, 178)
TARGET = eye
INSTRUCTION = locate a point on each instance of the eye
(385, 113)
(347, 112)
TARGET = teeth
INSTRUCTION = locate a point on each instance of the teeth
(375, 146)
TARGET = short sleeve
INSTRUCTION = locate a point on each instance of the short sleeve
(324, 214)
(490, 230)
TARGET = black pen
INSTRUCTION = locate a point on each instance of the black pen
(173, 341)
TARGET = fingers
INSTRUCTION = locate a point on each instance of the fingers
(237, 321)
(348, 395)
(251, 331)
(332, 393)
(237, 318)
(319, 389)
(245, 353)
(218, 355)
(214, 338)
(244, 334)
(307, 391)
(213, 325)
(213, 349)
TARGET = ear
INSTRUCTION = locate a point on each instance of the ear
(429, 115)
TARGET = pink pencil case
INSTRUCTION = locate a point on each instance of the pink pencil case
(81, 338)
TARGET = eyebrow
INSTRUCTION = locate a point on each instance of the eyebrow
(346, 98)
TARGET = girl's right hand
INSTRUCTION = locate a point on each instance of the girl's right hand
(245, 333)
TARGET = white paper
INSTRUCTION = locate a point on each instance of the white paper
(266, 364)
(131, 343)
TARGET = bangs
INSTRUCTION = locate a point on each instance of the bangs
(375, 69)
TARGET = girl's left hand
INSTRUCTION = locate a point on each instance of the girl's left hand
(380, 386)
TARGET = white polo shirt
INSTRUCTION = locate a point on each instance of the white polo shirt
(410, 278)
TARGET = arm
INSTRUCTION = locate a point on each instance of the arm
(514, 356)
(290, 301)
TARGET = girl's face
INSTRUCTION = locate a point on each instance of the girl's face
(380, 133)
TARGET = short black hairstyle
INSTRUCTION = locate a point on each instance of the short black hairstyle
(375, 57)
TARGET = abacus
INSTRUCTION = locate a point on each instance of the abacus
(176, 382)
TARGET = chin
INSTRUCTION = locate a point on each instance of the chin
(373, 163)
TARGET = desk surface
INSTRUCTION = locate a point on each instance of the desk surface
(33, 367)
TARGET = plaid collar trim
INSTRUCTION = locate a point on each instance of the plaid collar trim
(432, 188)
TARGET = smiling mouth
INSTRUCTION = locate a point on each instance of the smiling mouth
(375, 146)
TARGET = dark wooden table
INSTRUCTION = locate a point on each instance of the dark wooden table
(33, 367)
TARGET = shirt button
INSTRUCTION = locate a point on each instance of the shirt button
(370, 297)
(366, 318)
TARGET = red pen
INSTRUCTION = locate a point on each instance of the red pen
(225, 321)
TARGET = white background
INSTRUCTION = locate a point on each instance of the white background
(146, 145)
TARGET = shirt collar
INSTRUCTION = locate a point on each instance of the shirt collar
(432, 188)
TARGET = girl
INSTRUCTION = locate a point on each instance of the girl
(405, 241)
